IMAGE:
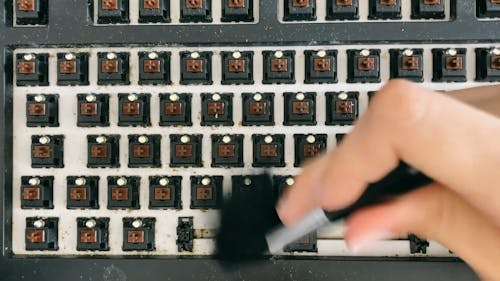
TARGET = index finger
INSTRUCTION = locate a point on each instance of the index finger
(451, 142)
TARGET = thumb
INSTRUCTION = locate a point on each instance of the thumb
(437, 213)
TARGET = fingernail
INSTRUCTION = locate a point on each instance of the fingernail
(364, 242)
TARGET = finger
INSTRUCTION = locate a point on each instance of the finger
(304, 199)
(437, 213)
(486, 98)
(446, 139)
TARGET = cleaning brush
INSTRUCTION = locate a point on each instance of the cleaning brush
(250, 227)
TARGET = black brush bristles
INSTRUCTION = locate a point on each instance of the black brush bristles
(250, 214)
(246, 218)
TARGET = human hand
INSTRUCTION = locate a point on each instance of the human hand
(453, 143)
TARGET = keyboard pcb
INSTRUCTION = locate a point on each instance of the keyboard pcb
(147, 137)
(125, 123)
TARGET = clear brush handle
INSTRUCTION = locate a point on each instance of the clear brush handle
(401, 180)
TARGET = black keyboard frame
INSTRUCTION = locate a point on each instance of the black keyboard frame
(70, 24)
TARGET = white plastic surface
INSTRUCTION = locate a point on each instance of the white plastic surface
(75, 144)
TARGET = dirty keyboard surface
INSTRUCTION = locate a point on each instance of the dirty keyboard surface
(128, 131)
